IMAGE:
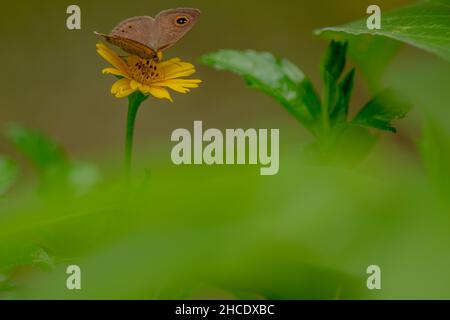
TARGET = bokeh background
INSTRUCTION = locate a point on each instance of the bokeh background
(218, 232)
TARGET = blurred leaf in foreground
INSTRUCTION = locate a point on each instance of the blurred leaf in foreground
(435, 150)
(50, 160)
(46, 156)
(426, 82)
(8, 173)
(313, 229)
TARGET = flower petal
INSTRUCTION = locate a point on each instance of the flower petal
(135, 85)
(115, 72)
(125, 93)
(121, 88)
(180, 81)
(179, 74)
(119, 84)
(145, 89)
(174, 68)
(111, 57)
(160, 93)
(179, 85)
(169, 62)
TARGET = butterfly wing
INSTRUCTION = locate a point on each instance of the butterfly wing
(144, 36)
(130, 46)
(138, 29)
(134, 35)
(171, 25)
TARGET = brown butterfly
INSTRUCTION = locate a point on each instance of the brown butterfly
(145, 36)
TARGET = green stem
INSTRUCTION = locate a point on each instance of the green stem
(134, 102)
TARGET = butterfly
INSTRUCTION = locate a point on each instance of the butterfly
(146, 36)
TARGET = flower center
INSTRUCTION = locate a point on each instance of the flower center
(146, 71)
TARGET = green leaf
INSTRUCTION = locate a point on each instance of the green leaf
(425, 25)
(345, 88)
(8, 173)
(42, 152)
(280, 79)
(333, 60)
(336, 94)
(371, 54)
(379, 112)
(51, 161)
(331, 97)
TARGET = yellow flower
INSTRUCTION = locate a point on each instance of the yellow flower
(148, 76)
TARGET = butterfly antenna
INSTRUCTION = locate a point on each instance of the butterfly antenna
(100, 34)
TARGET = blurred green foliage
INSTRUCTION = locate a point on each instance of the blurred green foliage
(435, 150)
(226, 232)
(309, 232)
(8, 173)
(51, 162)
